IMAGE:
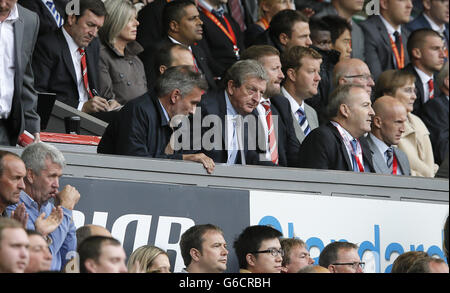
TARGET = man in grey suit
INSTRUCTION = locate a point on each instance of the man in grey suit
(18, 98)
(388, 125)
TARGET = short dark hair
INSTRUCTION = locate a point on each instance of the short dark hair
(405, 260)
(336, 25)
(193, 238)
(329, 254)
(174, 11)
(95, 6)
(417, 39)
(164, 55)
(316, 25)
(2, 155)
(250, 240)
(33, 232)
(283, 22)
(422, 265)
(91, 248)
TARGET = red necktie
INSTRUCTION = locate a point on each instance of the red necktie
(236, 13)
(431, 88)
(84, 72)
(272, 139)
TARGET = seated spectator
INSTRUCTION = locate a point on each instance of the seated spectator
(258, 250)
(14, 243)
(353, 71)
(287, 28)
(435, 115)
(171, 55)
(341, 38)
(425, 48)
(12, 172)
(415, 141)
(51, 13)
(341, 257)
(91, 230)
(405, 260)
(40, 255)
(122, 75)
(388, 125)
(296, 256)
(313, 269)
(144, 126)
(320, 34)
(204, 249)
(44, 165)
(336, 145)
(149, 259)
(426, 265)
(99, 254)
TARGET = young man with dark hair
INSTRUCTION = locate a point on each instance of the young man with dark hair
(100, 254)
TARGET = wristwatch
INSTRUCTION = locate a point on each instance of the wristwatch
(48, 239)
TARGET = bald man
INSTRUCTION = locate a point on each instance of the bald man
(91, 230)
(388, 125)
(353, 71)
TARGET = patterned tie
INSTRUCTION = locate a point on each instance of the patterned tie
(84, 72)
(431, 88)
(354, 147)
(273, 148)
(219, 12)
(51, 6)
(236, 13)
(303, 121)
(390, 158)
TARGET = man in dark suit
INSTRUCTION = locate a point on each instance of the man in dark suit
(281, 145)
(51, 13)
(335, 145)
(388, 125)
(386, 36)
(18, 99)
(150, 30)
(426, 49)
(66, 61)
(145, 126)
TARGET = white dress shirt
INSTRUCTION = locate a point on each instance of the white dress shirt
(434, 26)
(230, 118)
(294, 104)
(425, 78)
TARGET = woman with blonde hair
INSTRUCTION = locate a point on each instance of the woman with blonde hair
(415, 141)
(149, 259)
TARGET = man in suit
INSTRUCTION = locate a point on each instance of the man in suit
(66, 61)
(346, 9)
(335, 145)
(150, 30)
(353, 71)
(18, 98)
(386, 36)
(435, 115)
(51, 13)
(388, 125)
(145, 126)
(301, 66)
(281, 147)
(426, 49)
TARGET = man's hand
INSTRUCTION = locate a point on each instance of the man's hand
(68, 197)
(113, 104)
(207, 162)
(48, 225)
(21, 215)
(95, 104)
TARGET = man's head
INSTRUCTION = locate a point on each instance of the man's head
(397, 12)
(246, 83)
(12, 172)
(353, 71)
(269, 57)
(442, 80)
(437, 10)
(341, 257)
(351, 107)
(290, 28)
(40, 255)
(311, 269)
(258, 249)
(320, 34)
(405, 260)
(296, 256)
(388, 124)
(341, 35)
(348, 7)
(44, 165)
(426, 50)
(5, 8)
(204, 249)
(91, 230)
(301, 67)
(83, 28)
(180, 89)
(14, 254)
(428, 265)
(171, 55)
(182, 22)
(268, 8)
(99, 254)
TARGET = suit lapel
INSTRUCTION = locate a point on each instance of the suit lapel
(378, 160)
(383, 32)
(298, 130)
(67, 55)
(342, 146)
(18, 39)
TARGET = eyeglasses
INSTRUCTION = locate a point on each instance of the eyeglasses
(363, 76)
(273, 251)
(354, 265)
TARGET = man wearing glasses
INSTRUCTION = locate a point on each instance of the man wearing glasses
(341, 257)
(258, 250)
(353, 71)
(296, 256)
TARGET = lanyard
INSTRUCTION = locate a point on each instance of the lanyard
(265, 22)
(400, 58)
(228, 32)
(348, 145)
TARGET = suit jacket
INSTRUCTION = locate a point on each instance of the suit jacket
(23, 109)
(54, 70)
(140, 129)
(47, 21)
(150, 31)
(379, 162)
(323, 148)
(435, 115)
(379, 55)
(421, 22)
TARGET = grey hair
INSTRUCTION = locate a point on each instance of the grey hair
(245, 69)
(442, 75)
(119, 14)
(338, 97)
(35, 155)
(183, 78)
